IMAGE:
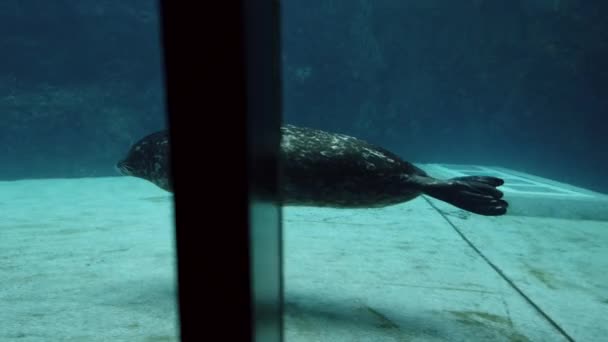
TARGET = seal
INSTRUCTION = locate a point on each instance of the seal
(324, 169)
(148, 159)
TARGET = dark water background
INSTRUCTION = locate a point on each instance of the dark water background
(515, 83)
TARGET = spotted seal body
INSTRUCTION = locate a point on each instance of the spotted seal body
(334, 170)
(324, 169)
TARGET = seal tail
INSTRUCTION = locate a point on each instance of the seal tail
(477, 194)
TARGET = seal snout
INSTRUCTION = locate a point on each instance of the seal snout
(122, 168)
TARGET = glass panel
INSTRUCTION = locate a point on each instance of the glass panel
(377, 249)
(84, 255)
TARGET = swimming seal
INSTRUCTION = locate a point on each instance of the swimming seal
(323, 169)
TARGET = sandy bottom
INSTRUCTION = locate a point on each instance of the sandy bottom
(85, 260)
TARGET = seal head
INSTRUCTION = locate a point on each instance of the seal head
(148, 159)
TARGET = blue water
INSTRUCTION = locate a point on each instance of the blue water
(510, 83)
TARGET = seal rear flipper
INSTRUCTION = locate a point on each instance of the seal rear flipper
(477, 194)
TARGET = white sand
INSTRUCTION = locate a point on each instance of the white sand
(85, 260)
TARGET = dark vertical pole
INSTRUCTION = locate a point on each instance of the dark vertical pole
(221, 70)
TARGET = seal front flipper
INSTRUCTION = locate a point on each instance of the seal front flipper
(477, 194)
